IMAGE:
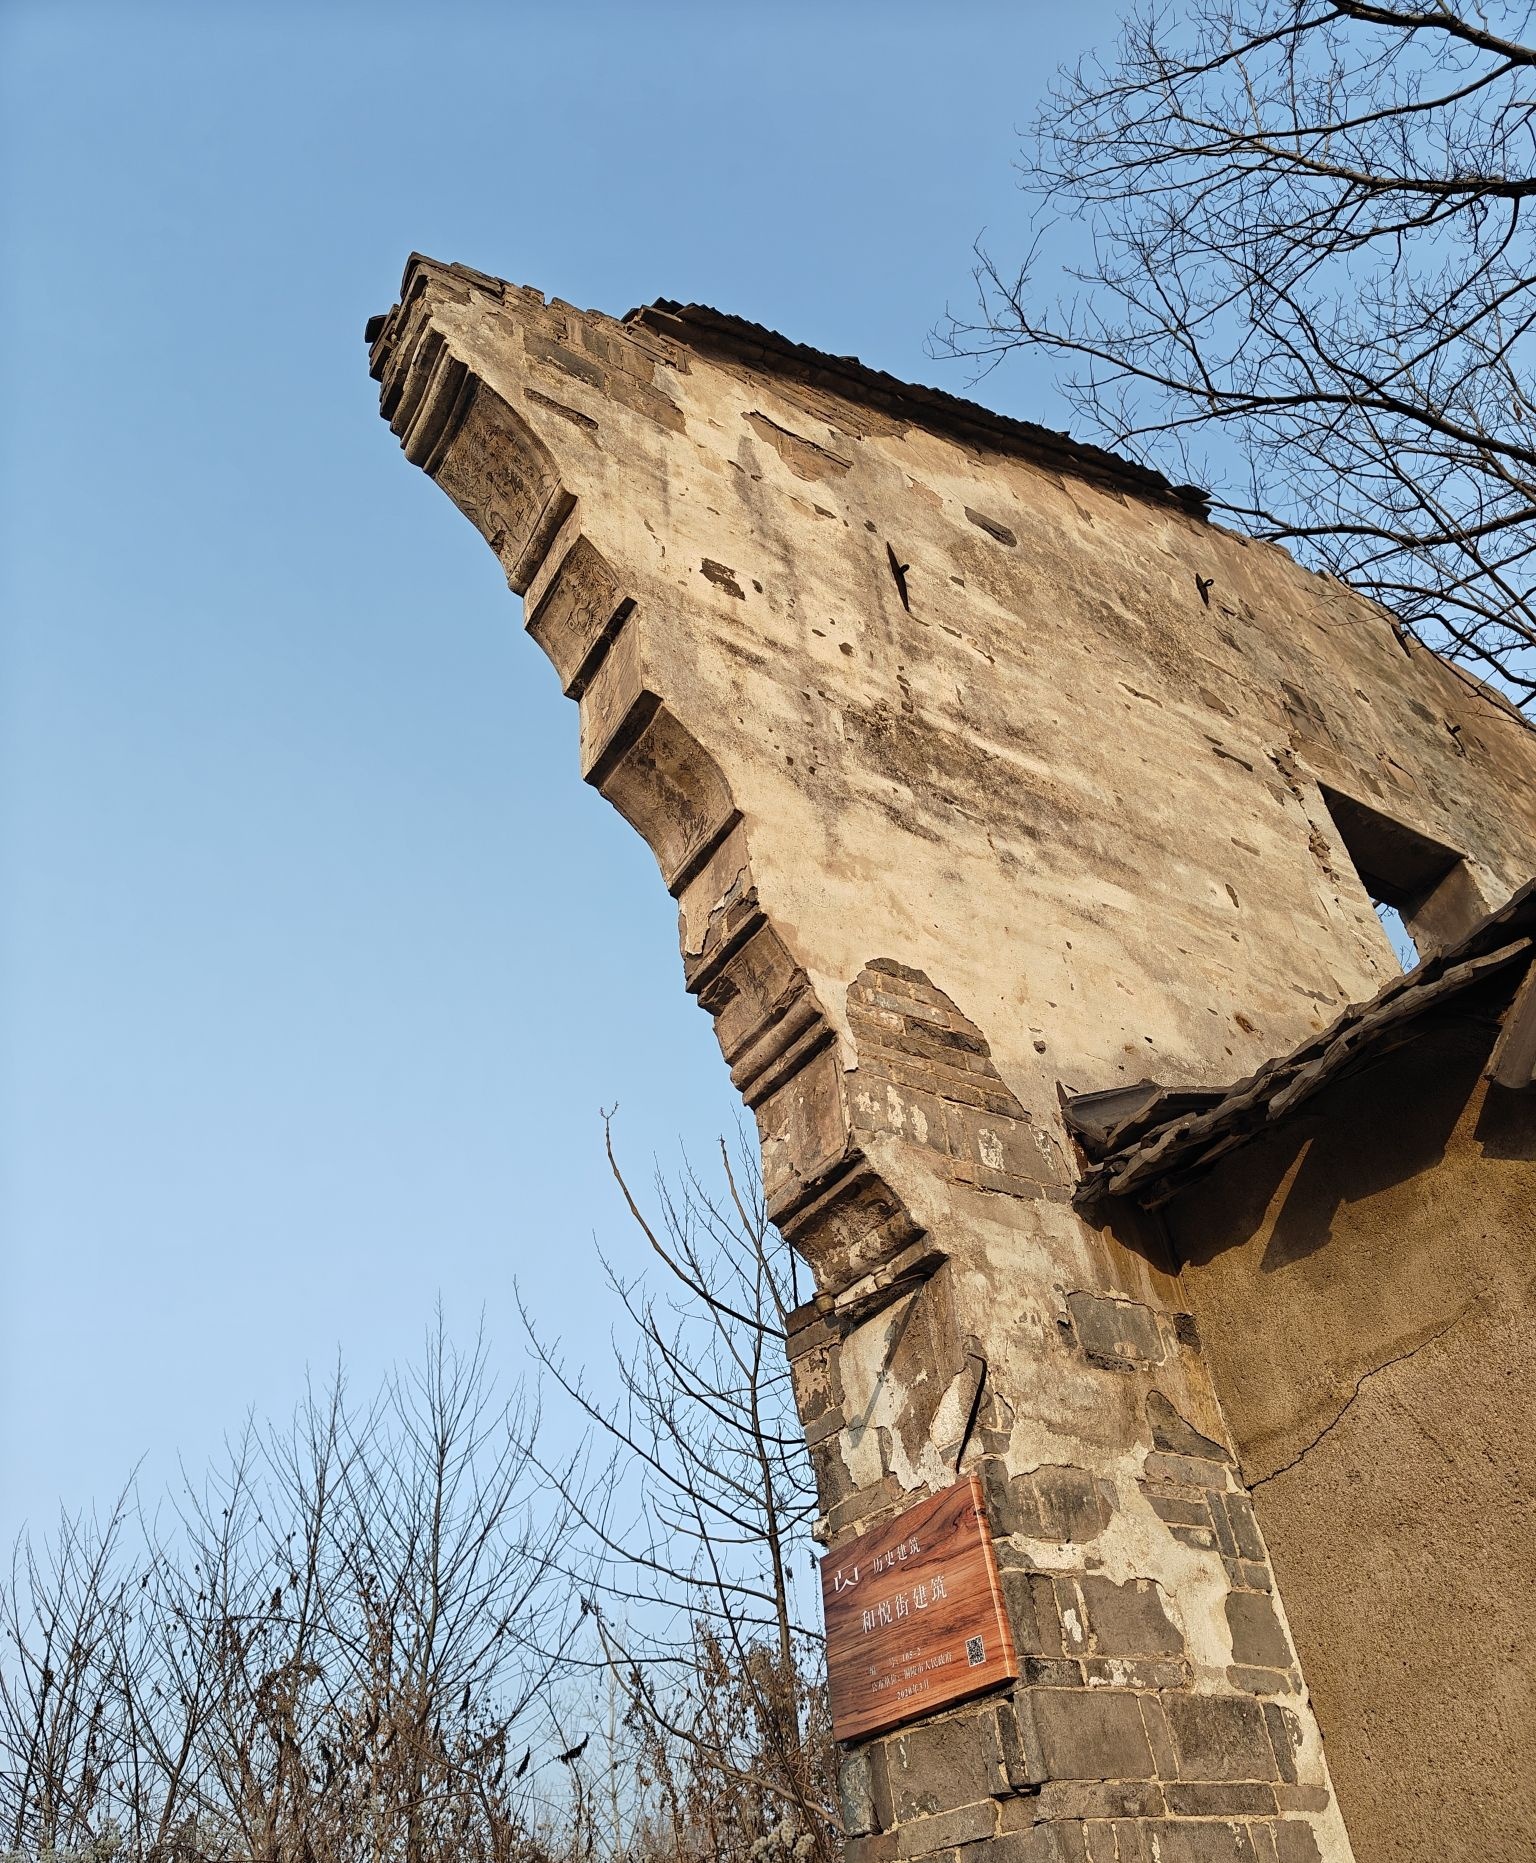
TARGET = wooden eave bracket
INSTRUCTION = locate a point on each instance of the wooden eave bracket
(1512, 1064)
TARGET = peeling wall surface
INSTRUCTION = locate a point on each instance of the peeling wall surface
(977, 764)
(1364, 1282)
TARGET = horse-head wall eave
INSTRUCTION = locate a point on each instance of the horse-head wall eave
(782, 1050)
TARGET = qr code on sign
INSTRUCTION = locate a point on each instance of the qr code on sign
(975, 1652)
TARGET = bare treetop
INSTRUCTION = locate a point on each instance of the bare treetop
(1311, 273)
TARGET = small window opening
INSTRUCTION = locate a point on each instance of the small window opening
(1406, 951)
(1423, 893)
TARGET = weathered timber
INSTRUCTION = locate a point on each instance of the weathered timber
(914, 1615)
(1513, 1061)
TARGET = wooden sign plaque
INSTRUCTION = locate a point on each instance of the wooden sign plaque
(914, 1615)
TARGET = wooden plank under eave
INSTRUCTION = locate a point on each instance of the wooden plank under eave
(1513, 1061)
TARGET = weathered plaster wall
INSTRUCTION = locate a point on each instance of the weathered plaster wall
(1365, 1286)
(972, 777)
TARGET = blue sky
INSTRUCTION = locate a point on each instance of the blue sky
(317, 959)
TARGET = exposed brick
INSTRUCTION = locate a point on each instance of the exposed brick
(1158, 1738)
(1296, 1842)
(917, 980)
(1220, 1737)
(954, 1761)
(924, 1835)
(1032, 1843)
(1222, 1801)
(879, 1848)
(1010, 1743)
(1303, 1797)
(1185, 1471)
(1132, 1843)
(1117, 1333)
(1102, 1844)
(855, 1792)
(1257, 1639)
(831, 1424)
(1250, 1542)
(1181, 1512)
(862, 1505)
(1126, 1620)
(1052, 1672)
(1101, 1798)
(1135, 1672)
(1073, 1506)
(1055, 1503)
(1220, 1525)
(1031, 1604)
(1171, 1431)
(1202, 1842)
(1085, 1733)
(1285, 1737)
(1013, 1505)
(1260, 1681)
(1247, 1574)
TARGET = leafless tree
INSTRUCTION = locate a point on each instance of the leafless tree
(335, 1647)
(1311, 282)
(694, 1504)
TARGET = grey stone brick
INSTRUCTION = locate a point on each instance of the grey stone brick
(1222, 1801)
(1303, 1797)
(1296, 1842)
(1052, 1672)
(1072, 1505)
(1182, 1511)
(1158, 1738)
(1172, 1432)
(1257, 1638)
(1132, 1842)
(923, 1836)
(1038, 1843)
(878, 1848)
(1062, 1799)
(1012, 1503)
(1185, 1471)
(1221, 1526)
(1260, 1681)
(954, 1761)
(1128, 1619)
(1220, 1737)
(1087, 1733)
(1247, 1574)
(1285, 1738)
(1204, 1841)
(1101, 1842)
(1245, 1526)
(1116, 1333)
(855, 1792)
(1010, 1742)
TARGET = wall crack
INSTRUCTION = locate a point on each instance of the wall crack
(1360, 1384)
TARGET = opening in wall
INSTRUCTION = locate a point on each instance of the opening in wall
(1398, 934)
(1422, 890)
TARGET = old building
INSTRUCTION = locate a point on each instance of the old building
(993, 783)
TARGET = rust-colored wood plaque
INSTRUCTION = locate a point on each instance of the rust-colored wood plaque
(914, 1615)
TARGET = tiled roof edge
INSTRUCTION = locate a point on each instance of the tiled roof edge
(701, 327)
(1160, 1156)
